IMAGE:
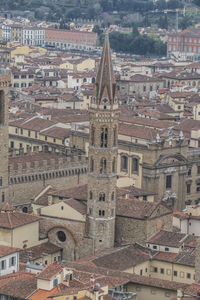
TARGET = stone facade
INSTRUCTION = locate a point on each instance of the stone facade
(103, 115)
(4, 84)
(26, 180)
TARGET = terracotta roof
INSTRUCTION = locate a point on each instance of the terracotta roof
(6, 250)
(116, 258)
(133, 208)
(15, 219)
(50, 271)
(18, 285)
(57, 132)
(32, 253)
(172, 239)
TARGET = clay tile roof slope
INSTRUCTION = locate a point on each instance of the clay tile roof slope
(78, 206)
(117, 260)
(134, 208)
(18, 285)
(50, 271)
(6, 250)
(15, 219)
(37, 251)
(169, 238)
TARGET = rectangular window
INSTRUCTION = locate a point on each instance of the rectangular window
(198, 187)
(3, 264)
(188, 186)
(23, 76)
(198, 169)
(175, 273)
(168, 181)
(29, 133)
(189, 171)
(155, 269)
(162, 271)
(188, 275)
(154, 247)
(124, 163)
(21, 131)
(12, 144)
(134, 165)
(2, 197)
(1, 181)
(166, 249)
(12, 261)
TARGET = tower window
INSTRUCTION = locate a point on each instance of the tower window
(101, 213)
(113, 196)
(92, 135)
(2, 108)
(103, 166)
(104, 137)
(3, 197)
(102, 197)
(91, 165)
(115, 136)
(113, 165)
(90, 195)
(124, 163)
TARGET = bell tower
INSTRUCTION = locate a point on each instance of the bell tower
(4, 86)
(103, 149)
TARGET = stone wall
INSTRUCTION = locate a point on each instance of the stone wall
(76, 244)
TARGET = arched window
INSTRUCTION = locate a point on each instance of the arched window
(92, 135)
(103, 166)
(90, 195)
(102, 197)
(113, 165)
(124, 163)
(91, 164)
(104, 137)
(135, 165)
(115, 136)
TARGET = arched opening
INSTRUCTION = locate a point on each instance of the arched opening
(103, 166)
(104, 137)
(102, 197)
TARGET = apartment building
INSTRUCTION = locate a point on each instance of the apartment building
(66, 39)
(33, 36)
(185, 44)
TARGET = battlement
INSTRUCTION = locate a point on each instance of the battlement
(5, 77)
(42, 162)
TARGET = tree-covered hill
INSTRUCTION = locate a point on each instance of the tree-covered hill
(67, 9)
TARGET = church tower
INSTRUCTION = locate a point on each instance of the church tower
(103, 149)
(4, 85)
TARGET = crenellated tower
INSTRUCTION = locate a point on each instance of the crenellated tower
(103, 149)
(5, 80)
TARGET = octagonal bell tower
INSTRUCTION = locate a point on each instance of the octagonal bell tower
(103, 149)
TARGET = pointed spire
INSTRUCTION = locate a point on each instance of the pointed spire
(105, 86)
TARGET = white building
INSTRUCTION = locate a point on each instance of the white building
(6, 32)
(9, 260)
(33, 36)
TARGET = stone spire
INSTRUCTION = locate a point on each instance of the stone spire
(105, 86)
